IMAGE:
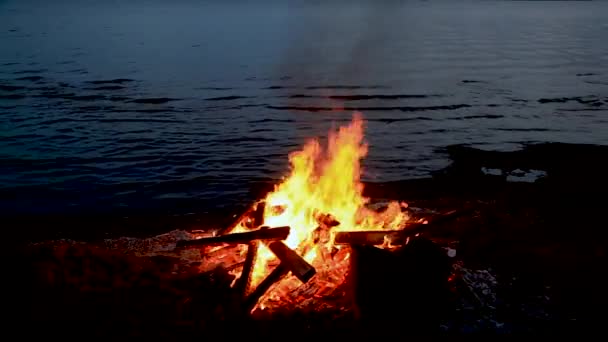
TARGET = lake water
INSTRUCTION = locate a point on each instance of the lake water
(153, 104)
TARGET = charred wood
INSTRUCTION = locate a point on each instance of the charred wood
(277, 274)
(294, 262)
(279, 233)
(252, 218)
(397, 237)
(243, 282)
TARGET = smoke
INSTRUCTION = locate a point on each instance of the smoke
(338, 42)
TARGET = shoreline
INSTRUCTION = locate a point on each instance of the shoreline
(538, 240)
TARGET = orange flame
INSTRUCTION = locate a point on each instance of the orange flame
(323, 182)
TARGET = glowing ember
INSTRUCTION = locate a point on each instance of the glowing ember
(322, 195)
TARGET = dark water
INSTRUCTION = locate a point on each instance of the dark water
(155, 104)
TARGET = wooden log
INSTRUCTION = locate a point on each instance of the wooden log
(276, 275)
(290, 262)
(253, 217)
(366, 237)
(243, 283)
(294, 262)
(378, 237)
(279, 233)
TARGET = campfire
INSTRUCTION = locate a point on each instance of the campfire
(296, 243)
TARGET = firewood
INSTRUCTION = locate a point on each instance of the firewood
(296, 264)
(276, 275)
(366, 237)
(279, 233)
(378, 237)
(290, 262)
(252, 218)
(243, 283)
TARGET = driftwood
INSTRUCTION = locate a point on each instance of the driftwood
(279, 233)
(378, 237)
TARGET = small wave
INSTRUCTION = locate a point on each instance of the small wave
(583, 109)
(382, 97)
(400, 108)
(361, 97)
(44, 88)
(587, 100)
(345, 87)
(469, 117)
(30, 78)
(472, 81)
(302, 96)
(391, 120)
(513, 99)
(96, 108)
(247, 106)
(65, 130)
(525, 129)
(30, 71)
(109, 87)
(227, 98)
(278, 87)
(113, 81)
(214, 88)
(596, 82)
(139, 120)
(585, 74)
(154, 100)
(21, 136)
(152, 110)
(77, 71)
(271, 120)
(54, 95)
(56, 121)
(12, 97)
(10, 64)
(63, 137)
(86, 98)
(10, 88)
(244, 140)
(118, 98)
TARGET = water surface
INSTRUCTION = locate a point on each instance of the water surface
(154, 104)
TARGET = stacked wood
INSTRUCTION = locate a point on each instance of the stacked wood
(290, 262)
(268, 234)
(396, 237)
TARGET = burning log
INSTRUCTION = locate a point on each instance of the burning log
(277, 274)
(297, 265)
(279, 233)
(252, 218)
(367, 237)
(243, 282)
(290, 262)
(378, 237)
